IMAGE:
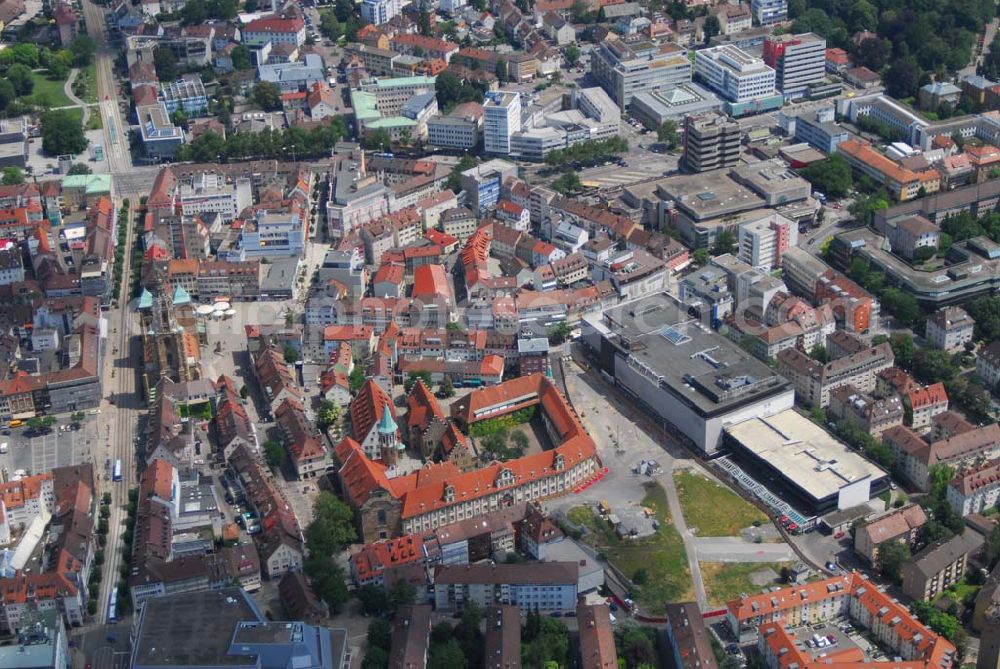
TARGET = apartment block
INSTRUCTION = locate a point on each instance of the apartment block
(624, 70)
(940, 565)
(734, 74)
(501, 119)
(762, 242)
(902, 183)
(814, 380)
(768, 12)
(950, 328)
(900, 525)
(799, 61)
(975, 490)
(546, 587)
(711, 141)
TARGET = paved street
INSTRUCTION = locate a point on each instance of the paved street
(736, 549)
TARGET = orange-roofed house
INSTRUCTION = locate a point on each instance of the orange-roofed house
(389, 280)
(360, 337)
(160, 483)
(925, 403)
(22, 595)
(983, 159)
(432, 288)
(513, 215)
(768, 617)
(27, 498)
(902, 183)
(425, 421)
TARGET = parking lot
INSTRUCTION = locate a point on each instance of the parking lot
(60, 448)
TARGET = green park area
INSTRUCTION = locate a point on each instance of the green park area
(725, 581)
(656, 565)
(713, 510)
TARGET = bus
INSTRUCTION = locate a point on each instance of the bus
(113, 606)
(117, 474)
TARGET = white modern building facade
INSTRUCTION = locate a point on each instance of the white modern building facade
(734, 74)
(501, 119)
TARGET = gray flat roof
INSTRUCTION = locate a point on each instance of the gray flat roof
(666, 344)
(809, 456)
(193, 629)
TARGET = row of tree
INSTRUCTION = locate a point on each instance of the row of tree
(589, 152)
(291, 142)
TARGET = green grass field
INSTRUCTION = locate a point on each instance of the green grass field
(89, 76)
(725, 581)
(659, 562)
(48, 93)
(716, 511)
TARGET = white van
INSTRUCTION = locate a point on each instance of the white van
(3, 448)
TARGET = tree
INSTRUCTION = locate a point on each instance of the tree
(901, 79)
(332, 526)
(329, 26)
(374, 601)
(902, 349)
(567, 183)
(940, 477)
(267, 96)
(446, 655)
(62, 133)
(447, 386)
(667, 134)
(871, 53)
(379, 139)
(701, 257)
(725, 242)
(413, 377)
(831, 176)
(572, 54)
(424, 22)
(892, 556)
(402, 593)
(20, 77)
(559, 333)
(80, 168)
(7, 93)
(380, 633)
(356, 379)
(467, 162)
(711, 28)
(501, 70)
(25, 54)
(327, 580)
(637, 647)
(274, 454)
(451, 91)
(818, 352)
(520, 440)
(83, 48)
(241, 58)
(991, 549)
(292, 354)
(327, 415)
(166, 63)
(12, 176)
(375, 658)
(57, 70)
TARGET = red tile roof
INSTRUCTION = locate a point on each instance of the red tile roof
(928, 396)
(422, 407)
(430, 281)
(274, 25)
(366, 409)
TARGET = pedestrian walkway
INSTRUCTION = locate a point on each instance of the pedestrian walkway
(68, 90)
